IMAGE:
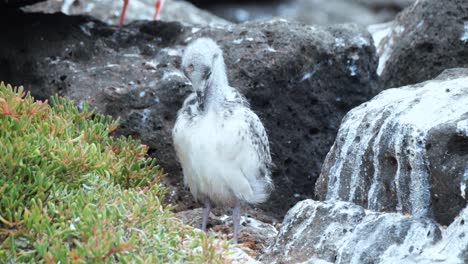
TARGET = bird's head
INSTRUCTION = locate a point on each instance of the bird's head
(203, 63)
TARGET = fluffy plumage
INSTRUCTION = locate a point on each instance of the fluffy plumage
(221, 144)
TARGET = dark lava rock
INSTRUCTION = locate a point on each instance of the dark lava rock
(301, 80)
(406, 150)
(342, 232)
(425, 39)
(17, 3)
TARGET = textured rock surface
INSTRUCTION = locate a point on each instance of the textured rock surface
(301, 80)
(341, 232)
(452, 248)
(314, 229)
(109, 11)
(382, 236)
(406, 150)
(425, 39)
(255, 233)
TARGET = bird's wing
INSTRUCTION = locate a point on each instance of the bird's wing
(246, 149)
(184, 116)
(243, 131)
(259, 138)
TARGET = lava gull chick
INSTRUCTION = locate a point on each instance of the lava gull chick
(221, 144)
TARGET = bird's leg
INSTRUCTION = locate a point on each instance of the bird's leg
(236, 220)
(206, 213)
(122, 14)
(157, 8)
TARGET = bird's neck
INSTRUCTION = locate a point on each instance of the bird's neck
(217, 86)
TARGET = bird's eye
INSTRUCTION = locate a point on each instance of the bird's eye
(190, 69)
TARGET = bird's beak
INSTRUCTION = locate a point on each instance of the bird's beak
(200, 97)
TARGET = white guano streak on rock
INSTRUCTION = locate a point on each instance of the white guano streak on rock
(463, 182)
(384, 36)
(373, 200)
(419, 187)
(365, 139)
(462, 128)
(412, 118)
(66, 6)
(311, 74)
(464, 36)
(348, 129)
(380, 31)
(352, 129)
(400, 169)
(420, 24)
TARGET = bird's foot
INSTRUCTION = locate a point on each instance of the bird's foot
(122, 14)
(206, 214)
(236, 221)
(157, 8)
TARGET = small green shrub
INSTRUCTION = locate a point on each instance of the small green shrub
(70, 193)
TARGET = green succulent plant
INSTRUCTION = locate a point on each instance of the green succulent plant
(71, 193)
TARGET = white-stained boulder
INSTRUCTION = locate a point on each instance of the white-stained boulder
(406, 150)
(339, 232)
